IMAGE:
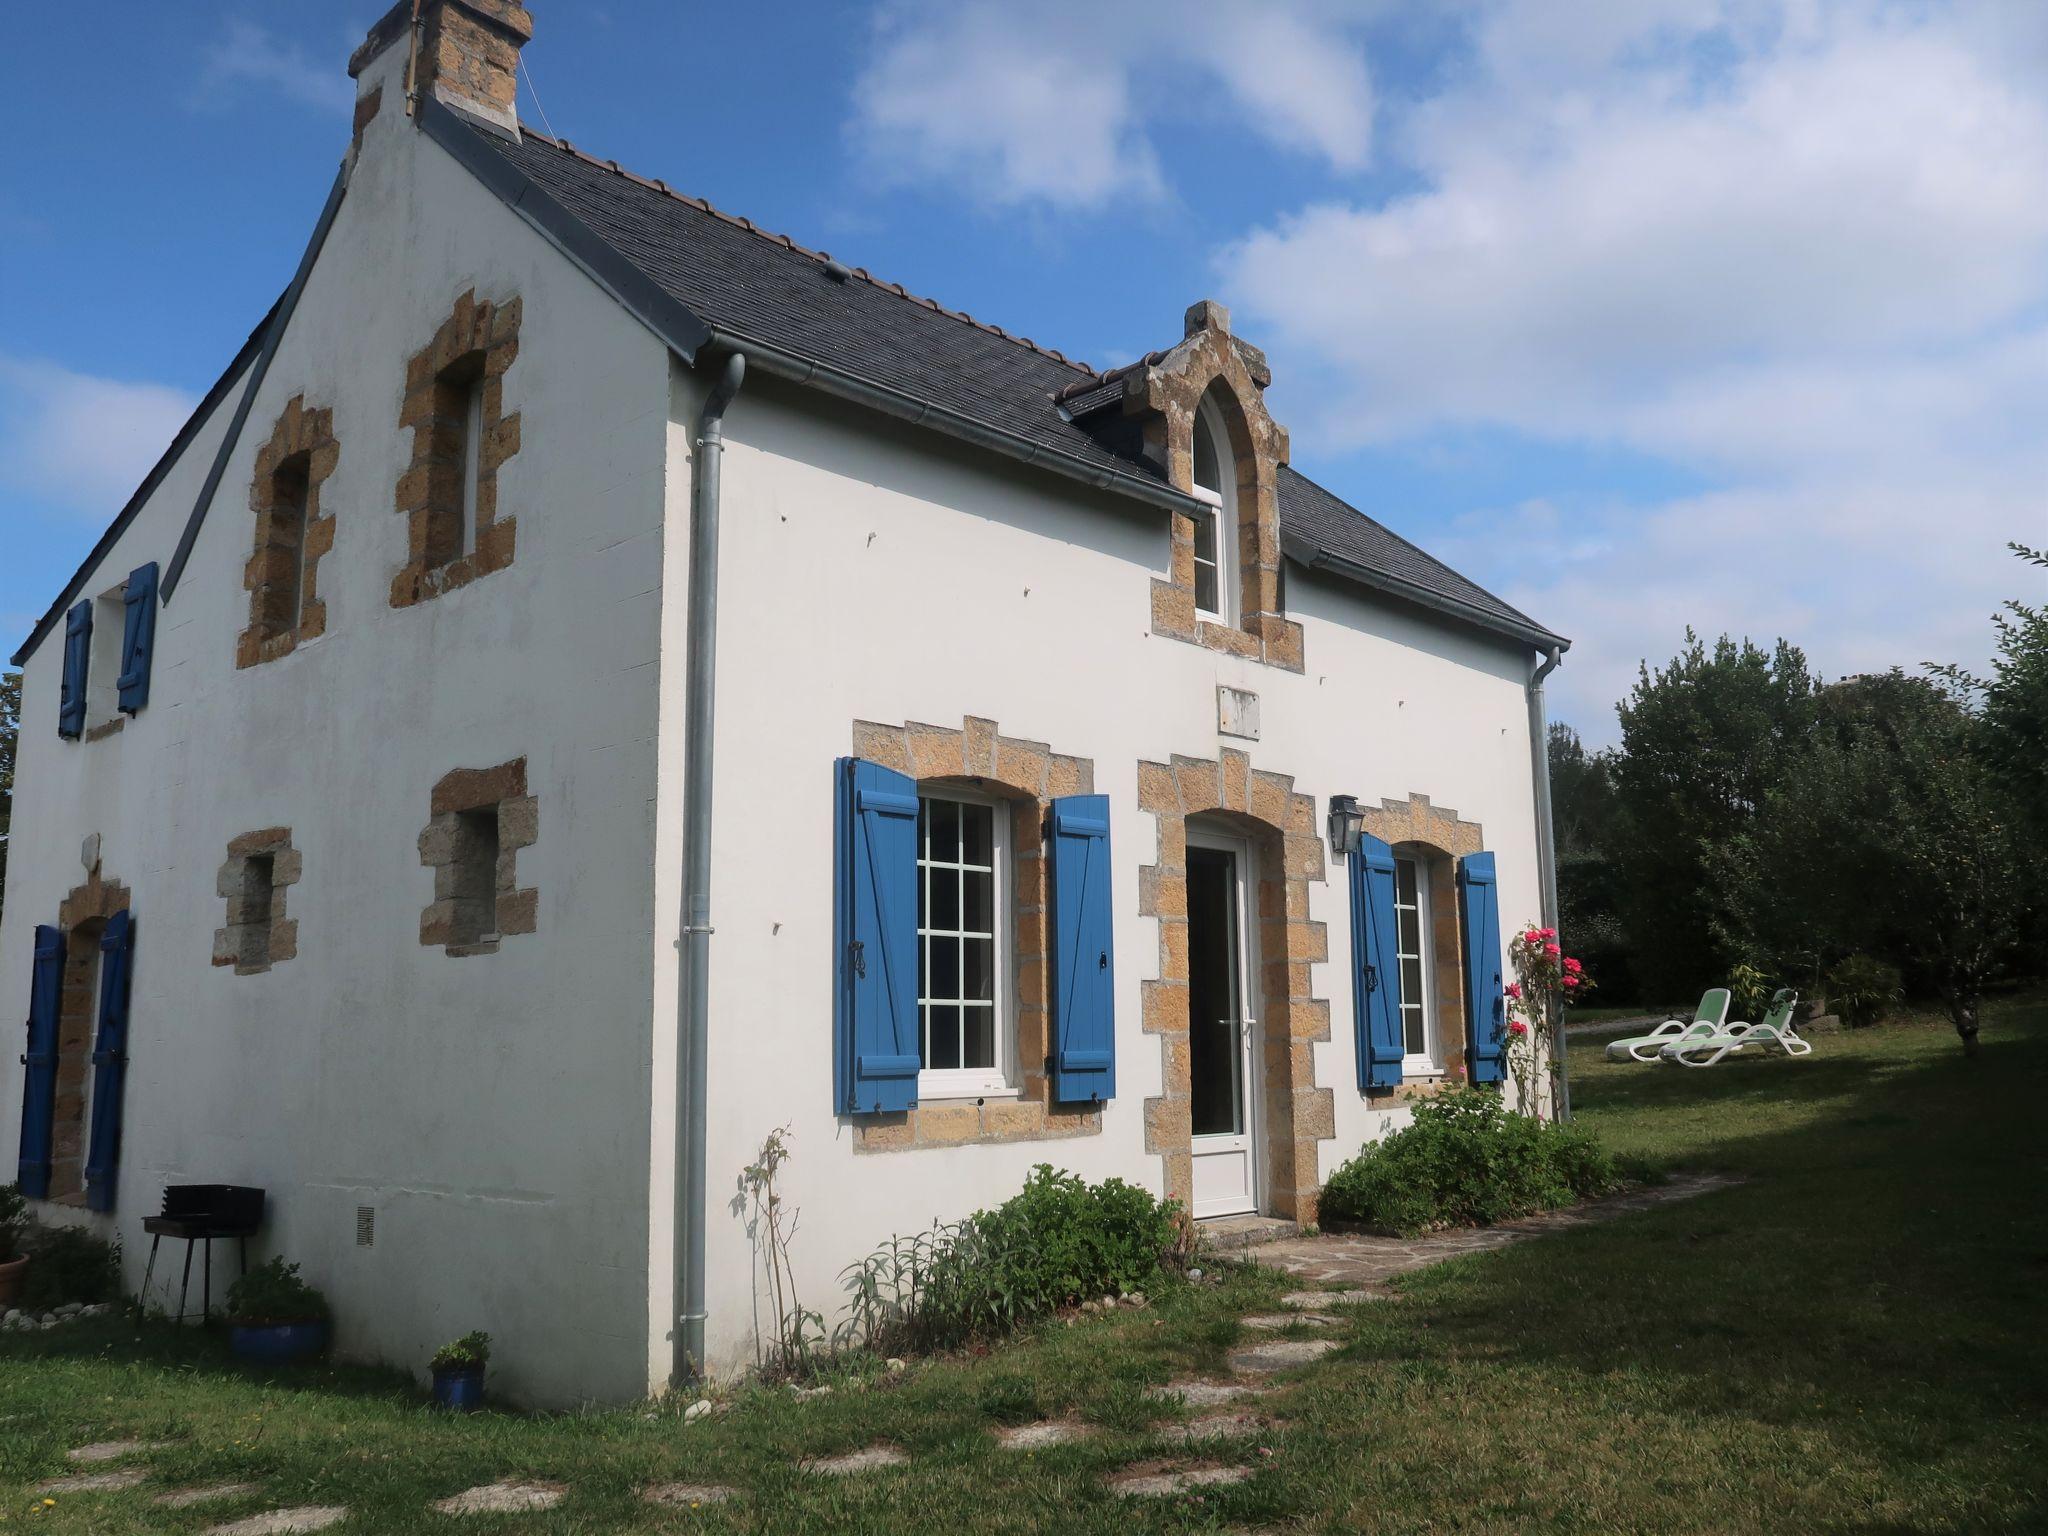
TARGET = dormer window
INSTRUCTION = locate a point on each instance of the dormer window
(1216, 530)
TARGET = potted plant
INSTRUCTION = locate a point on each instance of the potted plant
(274, 1315)
(13, 1259)
(458, 1369)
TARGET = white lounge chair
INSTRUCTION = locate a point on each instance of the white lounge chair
(1775, 1029)
(1710, 1018)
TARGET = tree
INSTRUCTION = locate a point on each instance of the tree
(10, 732)
(1704, 741)
(1586, 817)
(1895, 836)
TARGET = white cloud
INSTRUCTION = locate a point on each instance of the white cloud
(246, 53)
(1050, 104)
(1796, 248)
(82, 443)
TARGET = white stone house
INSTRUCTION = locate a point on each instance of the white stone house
(394, 812)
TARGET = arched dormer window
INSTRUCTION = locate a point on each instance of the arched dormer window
(1215, 533)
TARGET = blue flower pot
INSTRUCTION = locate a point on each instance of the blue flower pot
(461, 1390)
(277, 1343)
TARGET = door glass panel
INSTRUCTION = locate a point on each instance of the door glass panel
(1215, 1015)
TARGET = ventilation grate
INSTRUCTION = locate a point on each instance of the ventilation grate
(366, 1226)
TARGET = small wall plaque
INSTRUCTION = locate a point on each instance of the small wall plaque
(1237, 712)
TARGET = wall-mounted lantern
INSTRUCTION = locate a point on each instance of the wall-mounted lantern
(1347, 821)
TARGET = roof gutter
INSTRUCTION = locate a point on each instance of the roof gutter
(279, 319)
(1308, 554)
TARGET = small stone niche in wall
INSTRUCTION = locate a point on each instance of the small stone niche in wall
(261, 867)
(480, 819)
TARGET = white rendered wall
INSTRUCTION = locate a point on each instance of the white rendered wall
(493, 1109)
(873, 572)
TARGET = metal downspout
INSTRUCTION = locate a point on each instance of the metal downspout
(1546, 839)
(694, 980)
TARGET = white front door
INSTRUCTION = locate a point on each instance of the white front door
(1222, 1065)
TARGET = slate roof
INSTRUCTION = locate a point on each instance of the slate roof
(742, 279)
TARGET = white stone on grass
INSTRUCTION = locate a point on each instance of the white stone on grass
(1220, 1426)
(206, 1493)
(1203, 1394)
(508, 1496)
(688, 1495)
(114, 1450)
(1314, 1299)
(1154, 1481)
(93, 1482)
(1273, 1322)
(1032, 1437)
(703, 1408)
(1279, 1354)
(283, 1522)
(867, 1460)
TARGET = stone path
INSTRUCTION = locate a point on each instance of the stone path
(283, 1522)
(688, 1495)
(1279, 1355)
(1204, 1394)
(184, 1498)
(856, 1461)
(94, 1482)
(1158, 1479)
(1032, 1437)
(1366, 1263)
(507, 1496)
(114, 1450)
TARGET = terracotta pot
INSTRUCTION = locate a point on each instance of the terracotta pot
(12, 1274)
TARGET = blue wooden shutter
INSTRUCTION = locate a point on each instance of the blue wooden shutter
(77, 655)
(110, 1060)
(875, 926)
(1485, 1002)
(39, 1082)
(1083, 1065)
(1375, 966)
(138, 637)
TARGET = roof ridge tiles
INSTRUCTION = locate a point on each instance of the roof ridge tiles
(1092, 377)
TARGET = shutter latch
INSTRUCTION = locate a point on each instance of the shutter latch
(1102, 961)
(1372, 979)
(856, 952)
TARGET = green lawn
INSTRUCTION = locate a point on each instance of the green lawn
(1850, 1342)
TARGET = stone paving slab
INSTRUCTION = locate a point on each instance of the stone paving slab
(184, 1498)
(1274, 1322)
(1313, 1299)
(866, 1460)
(283, 1522)
(94, 1482)
(1032, 1437)
(1220, 1426)
(507, 1496)
(688, 1495)
(113, 1450)
(1357, 1259)
(1204, 1394)
(1155, 1480)
(1279, 1354)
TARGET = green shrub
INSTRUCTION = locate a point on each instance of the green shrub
(1863, 990)
(274, 1293)
(13, 1222)
(471, 1352)
(1466, 1161)
(1060, 1240)
(68, 1264)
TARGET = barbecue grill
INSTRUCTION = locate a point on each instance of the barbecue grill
(199, 1213)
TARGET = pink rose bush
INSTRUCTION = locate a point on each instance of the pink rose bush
(1546, 980)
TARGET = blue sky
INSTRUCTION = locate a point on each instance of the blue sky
(1723, 312)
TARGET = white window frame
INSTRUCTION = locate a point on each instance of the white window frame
(1430, 1062)
(1223, 501)
(993, 1080)
(103, 657)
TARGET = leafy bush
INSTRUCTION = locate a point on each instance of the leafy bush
(274, 1293)
(68, 1264)
(13, 1222)
(471, 1352)
(1467, 1161)
(1059, 1241)
(1863, 990)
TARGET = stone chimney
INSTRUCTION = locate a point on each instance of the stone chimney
(467, 54)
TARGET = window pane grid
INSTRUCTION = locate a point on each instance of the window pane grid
(956, 906)
(1408, 949)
